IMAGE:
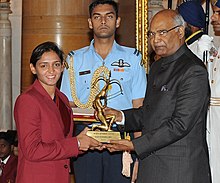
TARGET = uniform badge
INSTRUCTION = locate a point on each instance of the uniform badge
(121, 63)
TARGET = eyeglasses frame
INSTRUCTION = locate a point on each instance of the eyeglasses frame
(161, 32)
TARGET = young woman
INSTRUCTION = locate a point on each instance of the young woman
(44, 123)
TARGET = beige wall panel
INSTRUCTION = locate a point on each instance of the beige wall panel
(55, 7)
(62, 21)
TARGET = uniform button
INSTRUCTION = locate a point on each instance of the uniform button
(66, 166)
(215, 69)
(212, 81)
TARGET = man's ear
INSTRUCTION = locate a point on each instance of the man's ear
(90, 23)
(33, 70)
(118, 22)
(181, 32)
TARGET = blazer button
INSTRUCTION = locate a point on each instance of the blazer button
(65, 166)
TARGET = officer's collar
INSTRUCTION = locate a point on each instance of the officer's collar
(195, 36)
(115, 46)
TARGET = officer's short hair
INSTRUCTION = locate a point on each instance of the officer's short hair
(98, 2)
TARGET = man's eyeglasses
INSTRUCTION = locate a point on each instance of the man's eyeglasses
(161, 32)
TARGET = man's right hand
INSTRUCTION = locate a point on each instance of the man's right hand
(110, 111)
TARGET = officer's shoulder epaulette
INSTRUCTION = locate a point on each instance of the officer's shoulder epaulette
(71, 53)
(136, 52)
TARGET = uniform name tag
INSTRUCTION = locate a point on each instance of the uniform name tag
(84, 72)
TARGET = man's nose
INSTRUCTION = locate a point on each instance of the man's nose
(156, 38)
(214, 17)
(103, 20)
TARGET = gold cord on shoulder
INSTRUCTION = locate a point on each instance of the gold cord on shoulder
(93, 86)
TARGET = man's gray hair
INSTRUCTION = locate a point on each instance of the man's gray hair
(178, 19)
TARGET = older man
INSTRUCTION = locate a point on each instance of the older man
(172, 148)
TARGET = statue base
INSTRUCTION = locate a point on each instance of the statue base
(104, 136)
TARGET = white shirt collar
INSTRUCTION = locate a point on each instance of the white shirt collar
(5, 160)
